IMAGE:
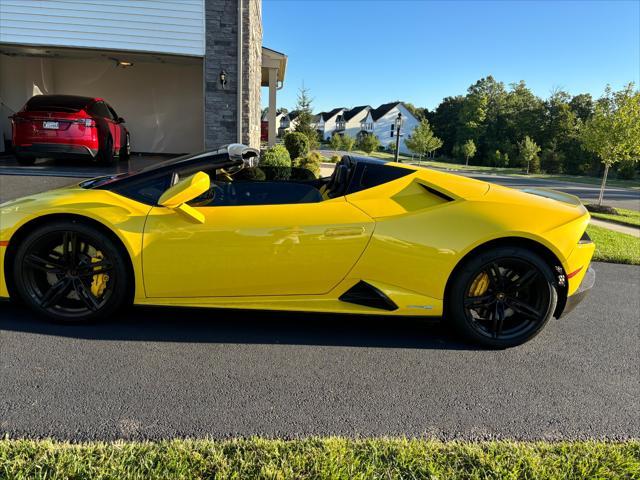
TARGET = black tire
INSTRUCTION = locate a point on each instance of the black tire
(88, 280)
(105, 155)
(125, 149)
(502, 297)
(25, 159)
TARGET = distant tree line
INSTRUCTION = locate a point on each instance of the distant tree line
(495, 125)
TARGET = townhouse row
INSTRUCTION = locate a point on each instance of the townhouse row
(357, 121)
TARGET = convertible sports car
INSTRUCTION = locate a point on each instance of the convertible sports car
(216, 229)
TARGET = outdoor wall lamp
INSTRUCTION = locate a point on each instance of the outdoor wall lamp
(122, 63)
(223, 79)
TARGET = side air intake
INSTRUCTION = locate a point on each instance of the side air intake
(364, 294)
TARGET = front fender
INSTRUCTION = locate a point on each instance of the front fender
(123, 217)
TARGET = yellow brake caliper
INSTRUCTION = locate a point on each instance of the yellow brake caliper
(479, 285)
(99, 281)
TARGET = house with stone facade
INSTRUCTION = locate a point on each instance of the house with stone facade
(185, 74)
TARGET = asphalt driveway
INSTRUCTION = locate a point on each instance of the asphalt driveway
(151, 374)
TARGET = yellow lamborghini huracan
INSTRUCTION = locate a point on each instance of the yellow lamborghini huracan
(217, 229)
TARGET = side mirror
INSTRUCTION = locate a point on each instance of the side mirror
(120, 120)
(177, 196)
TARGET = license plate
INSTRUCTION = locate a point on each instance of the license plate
(51, 125)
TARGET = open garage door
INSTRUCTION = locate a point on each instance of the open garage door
(159, 96)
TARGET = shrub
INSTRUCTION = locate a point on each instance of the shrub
(297, 144)
(335, 158)
(276, 156)
(336, 142)
(311, 162)
(368, 143)
(348, 143)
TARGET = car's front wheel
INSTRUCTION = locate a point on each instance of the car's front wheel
(502, 297)
(70, 272)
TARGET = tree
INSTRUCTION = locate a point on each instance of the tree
(422, 141)
(468, 150)
(582, 106)
(446, 121)
(368, 143)
(305, 117)
(529, 153)
(613, 132)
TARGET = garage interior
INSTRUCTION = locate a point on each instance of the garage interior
(160, 97)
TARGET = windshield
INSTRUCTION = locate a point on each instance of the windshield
(176, 161)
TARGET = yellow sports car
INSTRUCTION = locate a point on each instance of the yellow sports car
(219, 230)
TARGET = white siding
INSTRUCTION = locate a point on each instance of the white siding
(162, 26)
(353, 126)
(382, 127)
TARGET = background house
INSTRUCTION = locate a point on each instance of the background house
(185, 74)
(351, 121)
(326, 122)
(384, 128)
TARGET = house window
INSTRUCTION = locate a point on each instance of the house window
(392, 127)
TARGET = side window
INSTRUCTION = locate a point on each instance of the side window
(112, 112)
(101, 110)
(259, 186)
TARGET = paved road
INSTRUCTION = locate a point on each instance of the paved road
(152, 374)
(614, 196)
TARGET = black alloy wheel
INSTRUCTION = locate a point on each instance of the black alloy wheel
(504, 297)
(70, 272)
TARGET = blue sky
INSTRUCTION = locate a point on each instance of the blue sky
(354, 52)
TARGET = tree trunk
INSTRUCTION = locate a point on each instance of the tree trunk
(602, 185)
(466, 162)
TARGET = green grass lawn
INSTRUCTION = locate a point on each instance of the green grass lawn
(331, 458)
(626, 217)
(614, 247)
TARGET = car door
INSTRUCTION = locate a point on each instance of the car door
(252, 250)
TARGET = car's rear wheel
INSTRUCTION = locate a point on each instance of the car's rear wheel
(105, 155)
(125, 149)
(70, 272)
(502, 297)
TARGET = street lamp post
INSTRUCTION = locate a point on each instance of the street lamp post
(398, 125)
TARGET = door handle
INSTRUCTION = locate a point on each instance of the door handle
(344, 232)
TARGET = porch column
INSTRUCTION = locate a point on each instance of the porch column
(273, 86)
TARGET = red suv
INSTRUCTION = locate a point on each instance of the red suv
(61, 126)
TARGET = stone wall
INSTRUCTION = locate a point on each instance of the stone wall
(220, 112)
(252, 59)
